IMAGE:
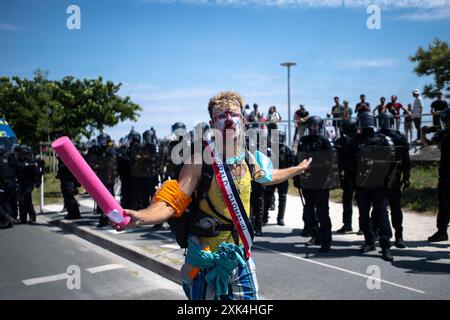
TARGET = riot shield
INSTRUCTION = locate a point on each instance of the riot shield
(323, 172)
(104, 166)
(144, 162)
(6, 172)
(377, 166)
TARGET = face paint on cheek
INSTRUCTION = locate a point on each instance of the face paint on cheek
(219, 125)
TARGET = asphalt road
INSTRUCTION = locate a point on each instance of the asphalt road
(286, 268)
(35, 260)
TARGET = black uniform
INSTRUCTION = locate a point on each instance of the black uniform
(286, 160)
(124, 171)
(170, 168)
(103, 161)
(316, 210)
(347, 186)
(69, 188)
(27, 175)
(257, 192)
(400, 177)
(7, 188)
(443, 139)
(144, 174)
(375, 195)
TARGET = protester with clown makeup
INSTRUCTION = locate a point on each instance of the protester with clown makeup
(218, 265)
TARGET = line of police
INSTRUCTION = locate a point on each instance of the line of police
(20, 173)
(370, 161)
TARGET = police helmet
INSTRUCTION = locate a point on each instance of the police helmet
(202, 130)
(445, 116)
(282, 137)
(366, 120)
(134, 137)
(314, 124)
(349, 125)
(385, 120)
(24, 151)
(278, 137)
(148, 136)
(103, 140)
(179, 129)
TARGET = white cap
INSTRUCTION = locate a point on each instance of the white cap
(416, 91)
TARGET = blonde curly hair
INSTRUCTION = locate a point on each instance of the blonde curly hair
(224, 100)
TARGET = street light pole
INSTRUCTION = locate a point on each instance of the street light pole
(289, 65)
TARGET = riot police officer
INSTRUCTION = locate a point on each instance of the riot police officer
(442, 138)
(399, 176)
(144, 170)
(172, 167)
(132, 142)
(7, 187)
(348, 132)
(368, 160)
(69, 188)
(256, 141)
(315, 183)
(27, 175)
(285, 160)
(103, 160)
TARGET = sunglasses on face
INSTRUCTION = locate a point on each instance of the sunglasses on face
(228, 114)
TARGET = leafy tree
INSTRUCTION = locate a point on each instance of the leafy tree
(40, 109)
(434, 61)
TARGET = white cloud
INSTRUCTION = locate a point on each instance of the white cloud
(364, 63)
(428, 15)
(385, 4)
(9, 27)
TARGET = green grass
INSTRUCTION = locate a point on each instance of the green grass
(421, 196)
(52, 191)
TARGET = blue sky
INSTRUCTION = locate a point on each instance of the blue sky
(172, 56)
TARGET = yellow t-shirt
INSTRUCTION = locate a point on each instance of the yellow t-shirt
(243, 185)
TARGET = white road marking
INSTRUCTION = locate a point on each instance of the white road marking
(63, 276)
(171, 246)
(56, 277)
(106, 267)
(339, 269)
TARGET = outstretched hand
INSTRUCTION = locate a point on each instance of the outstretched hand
(304, 165)
(134, 218)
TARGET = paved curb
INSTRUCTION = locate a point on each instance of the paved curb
(125, 250)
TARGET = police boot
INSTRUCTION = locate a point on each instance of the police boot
(325, 248)
(7, 222)
(400, 243)
(387, 254)
(345, 229)
(103, 221)
(365, 248)
(315, 240)
(32, 220)
(281, 210)
(305, 232)
(438, 236)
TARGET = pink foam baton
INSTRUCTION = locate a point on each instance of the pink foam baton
(89, 180)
